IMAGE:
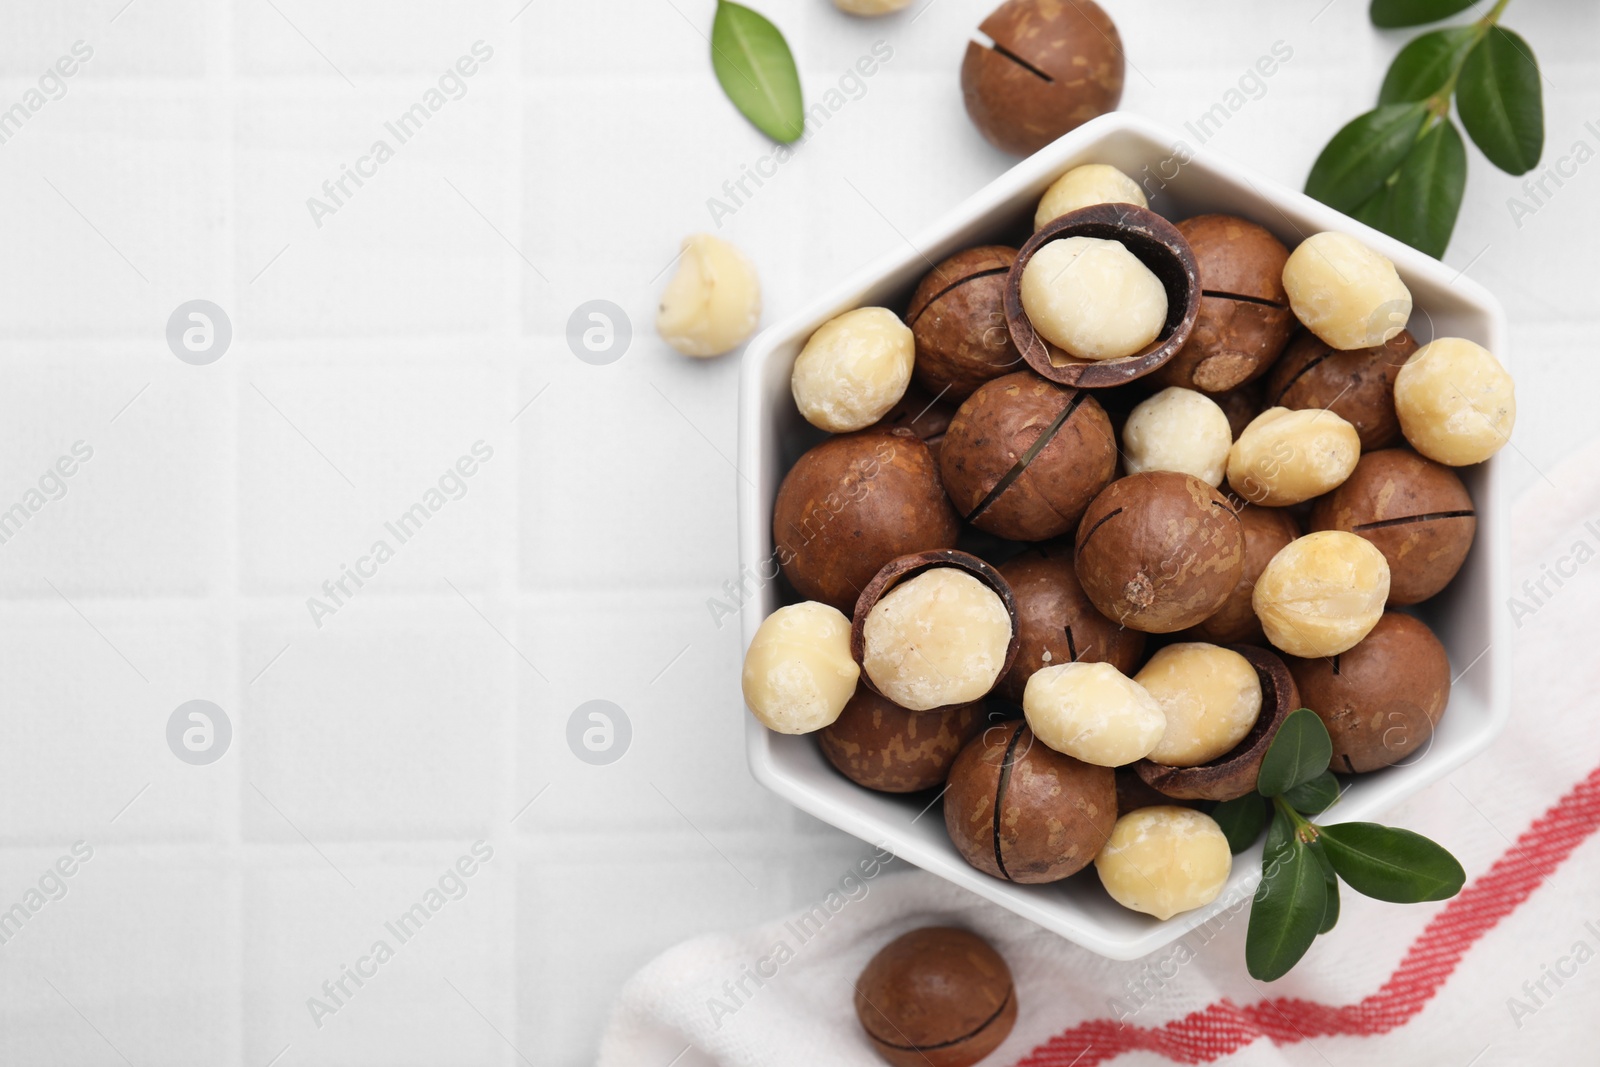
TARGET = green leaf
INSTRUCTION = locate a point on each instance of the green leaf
(1426, 196)
(1392, 14)
(1501, 102)
(1375, 210)
(1288, 908)
(757, 71)
(1363, 154)
(1300, 751)
(1241, 820)
(1330, 910)
(1315, 796)
(1424, 66)
(1389, 864)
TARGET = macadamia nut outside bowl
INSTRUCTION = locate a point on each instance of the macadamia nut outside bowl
(1469, 617)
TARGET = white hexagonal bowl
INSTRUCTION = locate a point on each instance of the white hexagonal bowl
(1468, 617)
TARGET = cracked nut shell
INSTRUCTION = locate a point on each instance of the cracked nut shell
(1057, 623)
(936, 997)
(1000, 476)
(1266, 531)
(1159, 551)
(1053, 67)
(1244, 318)
(1157, 244)
(1357, 385)
(878, 744)
(1233, 774)
(1381, 699)
(1020, 811)
(852, 504)
(1415, 511)
(958, 322)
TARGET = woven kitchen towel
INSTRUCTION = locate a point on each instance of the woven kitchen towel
(1500, 974)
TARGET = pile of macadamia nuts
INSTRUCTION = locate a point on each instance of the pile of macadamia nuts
(1104, 506)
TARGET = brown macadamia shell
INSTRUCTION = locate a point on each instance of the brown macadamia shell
(958, 322)
(1020, 811)
(1357, 385)
(852, 504)
(1382, 699)
(936, 997)
(1241, 404)
(1266, 531)
(1023, 457)
(1053, 67)
(1415, 511)
(1234, 773)
(1057, 623)
(1244, 318)
(1159, 551)
(880, 745)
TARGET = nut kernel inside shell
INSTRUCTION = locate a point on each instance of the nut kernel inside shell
(1322, 593)
(1093, 298)
(1210, 697)
(1093, 712)
(798, 672)
(936, 639)
(1164, 860)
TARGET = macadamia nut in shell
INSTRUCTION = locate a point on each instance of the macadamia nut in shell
(1344, 292)
(798, 671)
(1164, 860)
(1285, 457)
(1178, 430)
(1093, 712)
(936, 639)
(1093, 298)
(853, 370)
(713, 303)
(1092, 183)
(1210, 697)
(1322, 593)
(1456, 402)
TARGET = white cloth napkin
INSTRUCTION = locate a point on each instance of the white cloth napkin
(1501, 974)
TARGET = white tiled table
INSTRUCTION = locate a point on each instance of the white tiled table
(368, 355)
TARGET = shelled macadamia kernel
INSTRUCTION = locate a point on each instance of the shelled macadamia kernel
(1092, 183)
(1093, 298)
(713, 303)
(1178, 430)
(936, 639)
(1093, 712)
(1322, 593)
(853, 369)
(1344, 292)
(798, 671)
(1210, 697)
(1164, 860)
(1456, 402)
(1284, 457)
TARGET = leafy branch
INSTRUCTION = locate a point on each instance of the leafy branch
(1303, 862)
(1402, 167)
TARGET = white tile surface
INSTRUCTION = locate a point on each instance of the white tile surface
(418, 319)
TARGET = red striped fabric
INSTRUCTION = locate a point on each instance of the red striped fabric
(1224, 1027)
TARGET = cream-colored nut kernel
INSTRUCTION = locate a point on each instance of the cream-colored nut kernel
(853, 370)
(798, 671)
(936, 639)
(871, 7)
(1092, 712)
(1210, 695)
(1284, 457)
(1164, 859)
(713, 303)
(1093, 298)
(1178, 430)
(1322, 593)
(1092, 183)
(1344, 292)
(1456, 402)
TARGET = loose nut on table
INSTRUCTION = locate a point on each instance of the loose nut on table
(713, 303)
(936, 997)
